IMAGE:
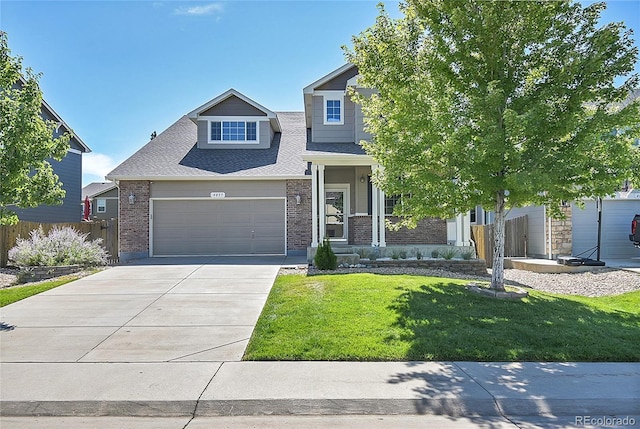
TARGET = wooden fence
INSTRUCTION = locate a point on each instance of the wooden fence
(105, 229)
(515, 239)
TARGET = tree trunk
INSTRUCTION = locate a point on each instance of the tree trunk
(497, 273)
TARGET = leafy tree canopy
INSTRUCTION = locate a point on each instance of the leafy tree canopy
(26, 141)
(497, 103)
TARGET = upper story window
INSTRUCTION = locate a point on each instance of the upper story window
(102, 205)
(233, 131)
(333, 108)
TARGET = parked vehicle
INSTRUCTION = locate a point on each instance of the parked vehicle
(635, 230)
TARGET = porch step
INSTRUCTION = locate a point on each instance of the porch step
(348, 258)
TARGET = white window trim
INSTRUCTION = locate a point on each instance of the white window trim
(245, 119)
(332, 95)
(103, 207)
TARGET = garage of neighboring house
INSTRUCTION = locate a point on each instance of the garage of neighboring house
(218, 227)
(617, 215)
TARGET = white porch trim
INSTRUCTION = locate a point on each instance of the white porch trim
(314, 205)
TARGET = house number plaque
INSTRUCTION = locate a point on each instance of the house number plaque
(218, 195)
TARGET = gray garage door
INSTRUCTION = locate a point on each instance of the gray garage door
(616, 227)
(219, 227)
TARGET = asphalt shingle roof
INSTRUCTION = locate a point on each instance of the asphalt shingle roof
(96, 188)
(174, 153)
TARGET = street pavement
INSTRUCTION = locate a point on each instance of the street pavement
(159, 344)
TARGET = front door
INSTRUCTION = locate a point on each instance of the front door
(336, 212)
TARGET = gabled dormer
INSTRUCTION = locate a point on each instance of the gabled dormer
(329, 111)
(234, 121)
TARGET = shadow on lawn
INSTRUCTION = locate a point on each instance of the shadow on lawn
(445, 322)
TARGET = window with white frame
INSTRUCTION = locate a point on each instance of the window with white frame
(333, 109)
(233, 131)
(389, 204)
(101, 205)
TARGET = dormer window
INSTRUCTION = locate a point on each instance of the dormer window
(333, 107)
(233, 131)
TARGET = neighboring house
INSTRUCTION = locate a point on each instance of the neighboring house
(577, 234)
(69, 170)
(235, 178)
(103, 197)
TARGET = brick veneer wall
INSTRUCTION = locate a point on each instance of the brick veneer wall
(134, 218)
(298, 215)
(561, 234)
(428, 231)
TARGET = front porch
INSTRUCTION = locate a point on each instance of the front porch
(349, 210)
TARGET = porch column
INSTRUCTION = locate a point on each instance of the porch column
(463, 230)
(321, 202)
(381, 222)
(375, 208)
(314, 205)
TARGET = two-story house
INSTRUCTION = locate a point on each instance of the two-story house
(233, 177)
(69, 171)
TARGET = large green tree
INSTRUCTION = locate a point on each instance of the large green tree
(499, 104)
(26, 141)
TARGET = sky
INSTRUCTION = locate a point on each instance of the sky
(116, 71)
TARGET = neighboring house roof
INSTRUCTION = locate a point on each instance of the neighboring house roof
(82, 146)
(173, 154)
(275, 124)
(96, 188)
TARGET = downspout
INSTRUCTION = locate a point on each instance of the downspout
(549, 233)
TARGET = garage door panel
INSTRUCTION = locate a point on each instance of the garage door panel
(220, 227)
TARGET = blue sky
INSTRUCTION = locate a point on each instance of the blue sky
(118, 70)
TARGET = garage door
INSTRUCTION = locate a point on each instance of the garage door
(616, 227)
(219, 227)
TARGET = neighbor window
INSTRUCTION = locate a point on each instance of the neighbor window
(389, 204)
(234, 131)
(102, 205)
(334, 111)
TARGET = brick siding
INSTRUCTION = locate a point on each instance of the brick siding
(298, 215)
(428, 231)
(134, 218)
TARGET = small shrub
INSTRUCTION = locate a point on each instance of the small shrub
(418, 255)
(362, 253)
(435, 254)
(403, 254)
(395, 255)
(467, 254)
(448, 253)
(62, 246)
(325, 259)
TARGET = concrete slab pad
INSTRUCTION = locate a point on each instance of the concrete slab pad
(115, 287)
(257, 388)
(163, 344)
(75, 310)
(94, 389)
(145, 272)
(202, 309)
(66, 344)
(538, 388)
(192, 285)
(235, 272)
(94, 422)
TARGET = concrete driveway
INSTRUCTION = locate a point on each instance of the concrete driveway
(155, 310)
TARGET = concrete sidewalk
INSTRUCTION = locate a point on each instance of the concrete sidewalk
(163, 340)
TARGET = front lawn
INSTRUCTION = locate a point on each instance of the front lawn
(17, 293)
(369, 317)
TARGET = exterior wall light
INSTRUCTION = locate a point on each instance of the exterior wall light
(298, 199)
(132, 198)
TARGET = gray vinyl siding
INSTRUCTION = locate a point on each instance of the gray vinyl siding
(233, 106)
(359, 118)
(69, 170)
(321, 133)
(231, 188)
(339, 82)
(265, 136)
(111, 198)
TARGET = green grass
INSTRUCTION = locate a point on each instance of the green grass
(368, 317)
(17, 293)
